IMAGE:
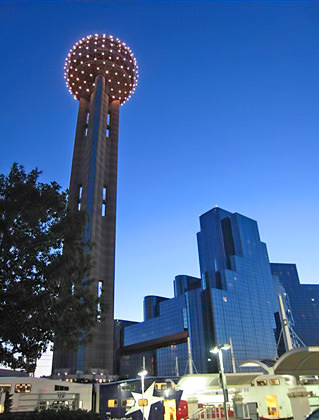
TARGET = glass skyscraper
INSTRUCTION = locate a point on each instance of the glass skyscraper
(236, 275)
(235, 299)
(303, 300)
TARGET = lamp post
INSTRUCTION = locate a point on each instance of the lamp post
(142, 374)
(222, 377)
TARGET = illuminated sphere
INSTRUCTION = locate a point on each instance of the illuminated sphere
(101, 55)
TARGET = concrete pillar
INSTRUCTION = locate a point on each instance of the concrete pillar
(299, 402)
(238, 406)
(192, 408)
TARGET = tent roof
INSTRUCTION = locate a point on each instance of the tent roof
(201, 382)
(299, 361)
(296, 362)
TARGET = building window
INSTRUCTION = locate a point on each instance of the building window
(128, 403)
(261, 382)
(104, 197)
(274, 381)
(87, 123)
(140, 402)
(22, 388)
(99, 294)
(104, 193)
(161, 385)
(99, 288)
(5, 388)
(80, 197)
(107, 131)
(61, 388)
(112, 403)
(103, 212)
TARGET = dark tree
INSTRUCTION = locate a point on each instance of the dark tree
(43, 291)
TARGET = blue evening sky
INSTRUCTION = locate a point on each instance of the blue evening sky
(225, 113)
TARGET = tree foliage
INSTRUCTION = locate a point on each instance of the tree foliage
(42, 296)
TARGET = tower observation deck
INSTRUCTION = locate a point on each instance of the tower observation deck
(101, 72)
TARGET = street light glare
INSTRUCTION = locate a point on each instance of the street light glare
(216, 349)
(223, 383)
(142, 373)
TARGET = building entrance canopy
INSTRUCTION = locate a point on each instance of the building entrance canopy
(297, 362)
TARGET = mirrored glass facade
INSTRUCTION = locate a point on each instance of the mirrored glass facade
(304, 302)
(233, 300)
(236, 274)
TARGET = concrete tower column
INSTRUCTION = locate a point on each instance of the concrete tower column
(101, 206)
(93, 187)
(101, 72)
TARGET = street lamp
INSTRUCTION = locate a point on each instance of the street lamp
(142, 374)
(222, 377)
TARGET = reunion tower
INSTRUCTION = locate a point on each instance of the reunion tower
(101, 72)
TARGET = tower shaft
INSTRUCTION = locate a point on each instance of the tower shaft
(93, 186)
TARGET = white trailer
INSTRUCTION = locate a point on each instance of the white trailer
(29, 394)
